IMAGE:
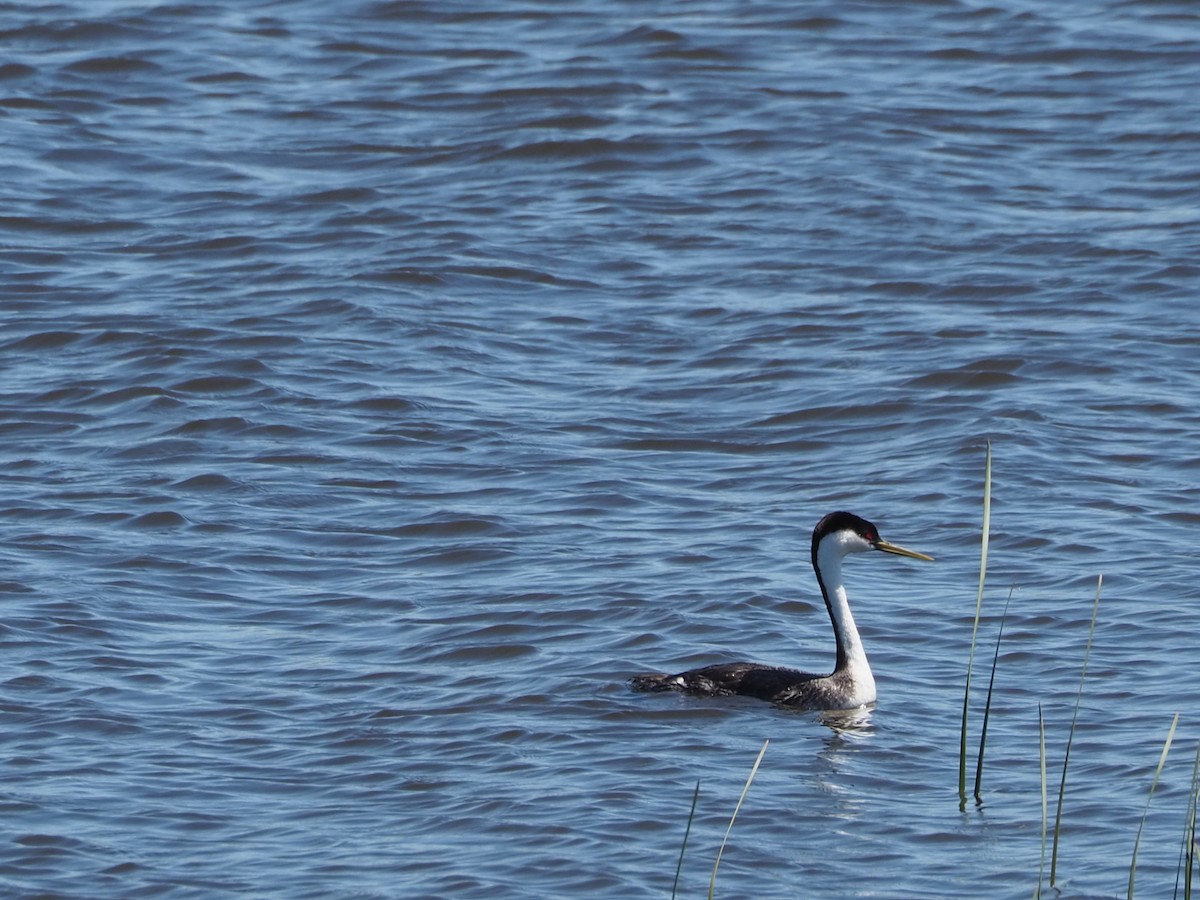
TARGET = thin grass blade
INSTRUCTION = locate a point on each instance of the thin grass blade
(1162, 760)
(712, 884)
(1193, 846)
(987, 707)
(1037, 891)
(1062, 784)
(983, 550)
(1187, 851)
(687, 831)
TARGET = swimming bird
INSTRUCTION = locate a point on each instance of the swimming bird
(851, 683)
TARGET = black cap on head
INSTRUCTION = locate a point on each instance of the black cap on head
(843, 521)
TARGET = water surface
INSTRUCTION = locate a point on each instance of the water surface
(383, 385)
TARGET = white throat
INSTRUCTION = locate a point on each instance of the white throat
(852, 660)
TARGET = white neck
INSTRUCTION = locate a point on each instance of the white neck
(852, 656)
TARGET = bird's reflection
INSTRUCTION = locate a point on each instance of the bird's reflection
(848, 722)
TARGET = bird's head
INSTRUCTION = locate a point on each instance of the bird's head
(854, 534)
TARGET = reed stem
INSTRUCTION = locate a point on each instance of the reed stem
(1153, 784)
(983, 550)
(1062, 785)
(1189, 848)
(987, 707)
(687, 831)
(1037, 891)
(712, 884)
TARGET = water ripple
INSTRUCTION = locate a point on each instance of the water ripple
(384, 386)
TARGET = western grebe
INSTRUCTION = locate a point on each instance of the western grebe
(851, 683)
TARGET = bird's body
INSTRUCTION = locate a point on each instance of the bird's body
(851, 683)
(788, 687)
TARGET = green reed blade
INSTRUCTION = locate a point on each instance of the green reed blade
(987, 707)
(1193, 846)
(712, 884)
(1037, 891)
(1187, 852)
(687, 831)
(983, 549)
(1153, 784)
(1062, 785)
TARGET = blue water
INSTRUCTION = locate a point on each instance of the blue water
(383, 384)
